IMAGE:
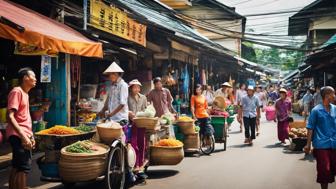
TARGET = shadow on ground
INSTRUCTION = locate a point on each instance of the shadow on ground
(240, 146)
(235, 132)
(160, 174)
(276, 145)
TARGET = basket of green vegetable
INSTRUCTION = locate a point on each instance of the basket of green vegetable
(85, 128)
(83, 161)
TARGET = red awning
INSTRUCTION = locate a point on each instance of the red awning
(43, 32)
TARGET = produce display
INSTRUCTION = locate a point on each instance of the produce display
(197, 129)
(298, 133)
(84, 128)
(87, 117)
(110, 124)
(231, 110)
(59, 130)
(169, 143)
(185, 119)
(149, 112)
(167, 119)
(81, 147)
(222, 113)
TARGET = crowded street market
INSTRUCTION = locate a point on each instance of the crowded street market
(167, 94)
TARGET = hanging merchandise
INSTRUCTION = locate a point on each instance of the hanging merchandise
(197, 76)
(186, 79)
(45, 69)
(75, 70)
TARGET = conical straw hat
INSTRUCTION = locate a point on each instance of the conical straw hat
(113, 68)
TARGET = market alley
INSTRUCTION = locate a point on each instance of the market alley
(262, 166)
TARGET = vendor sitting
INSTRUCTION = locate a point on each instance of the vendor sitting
(116, 103)
(137, 103)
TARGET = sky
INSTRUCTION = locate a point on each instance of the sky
(273, 24)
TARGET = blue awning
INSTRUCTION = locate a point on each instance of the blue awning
(331, 41)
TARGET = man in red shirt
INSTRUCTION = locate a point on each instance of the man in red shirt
(19, 129)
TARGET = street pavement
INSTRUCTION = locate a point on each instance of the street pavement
(265, 165)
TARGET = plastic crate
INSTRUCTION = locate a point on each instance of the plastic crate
(218, 120)
(218, 124)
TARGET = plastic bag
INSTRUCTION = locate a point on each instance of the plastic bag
(149, 112)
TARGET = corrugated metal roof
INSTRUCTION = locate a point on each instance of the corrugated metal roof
(159, 15)
(291, 75)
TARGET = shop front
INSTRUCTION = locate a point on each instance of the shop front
(48, 47)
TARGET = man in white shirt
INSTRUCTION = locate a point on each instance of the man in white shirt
(116, 103)
(209, 94)
(223, 91)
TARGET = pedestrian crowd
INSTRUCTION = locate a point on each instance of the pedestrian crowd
(124, 101)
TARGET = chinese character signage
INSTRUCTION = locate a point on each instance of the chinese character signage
(115, 21)
(45, 69)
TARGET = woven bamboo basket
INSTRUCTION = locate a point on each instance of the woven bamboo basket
(109, 134)
(160, 155)
(147, 123)
(187, 128)
(297, 108)
(78, 167)
(191, 141)
(297, 124)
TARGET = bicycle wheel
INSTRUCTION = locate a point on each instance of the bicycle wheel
(207, 144)
(115, 174)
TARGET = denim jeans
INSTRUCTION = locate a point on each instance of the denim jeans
(205, 126)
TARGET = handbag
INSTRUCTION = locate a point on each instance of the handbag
(290, 119)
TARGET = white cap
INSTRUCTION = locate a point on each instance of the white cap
(134, 82)
(250, 87)
(227, 84)
(113, 68)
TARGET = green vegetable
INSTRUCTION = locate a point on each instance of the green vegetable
(197, 129)
(79, 147)
(84, 128)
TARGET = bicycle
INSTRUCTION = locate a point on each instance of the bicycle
(207, 142)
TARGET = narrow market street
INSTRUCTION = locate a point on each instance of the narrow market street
(149, 94)
(263, 166)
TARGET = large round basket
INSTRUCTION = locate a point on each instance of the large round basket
(191, 141)
(147, 123)
(297, 124)
(79, 167)
(109, 134)
(160, 155)
(187, 127)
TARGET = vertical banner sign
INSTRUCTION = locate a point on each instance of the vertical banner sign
(115, 21)
(45, 69)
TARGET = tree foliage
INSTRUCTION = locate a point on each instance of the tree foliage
(272, 57)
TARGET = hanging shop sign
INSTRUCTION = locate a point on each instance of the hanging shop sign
(31, 50)
(115, 21)
(45, 69)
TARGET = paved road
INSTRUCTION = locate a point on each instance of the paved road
(263, 166)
